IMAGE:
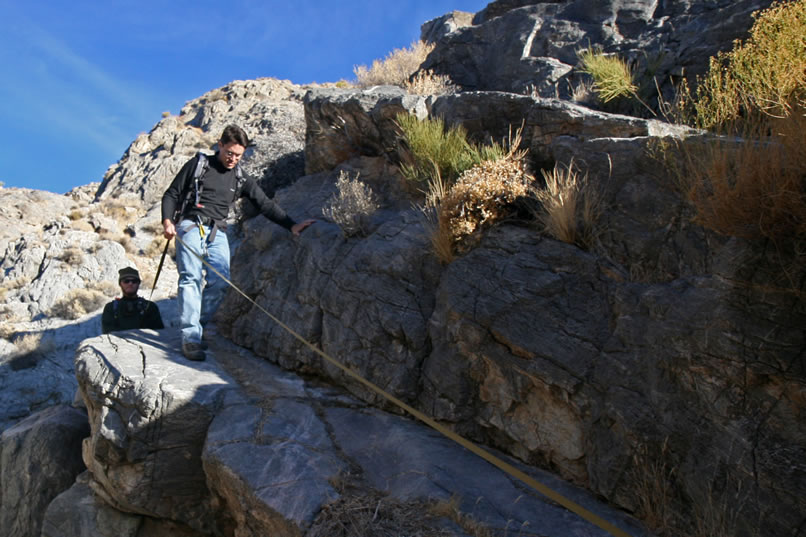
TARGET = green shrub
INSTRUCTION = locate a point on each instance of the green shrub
(764, 75)
(611, 75)
(434, 151)
(750, 183)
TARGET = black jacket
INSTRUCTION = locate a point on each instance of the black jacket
(219, 191)
(130, 313)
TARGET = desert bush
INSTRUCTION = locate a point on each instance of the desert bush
(76, 214)
(750, 182)
(467, 187)
(395, 69)
(78, 302)
(764, 75)
(16, 283)
(482, 196)
(72, 256)
(568, 205)
(31, 348)
(351, 206)
(752, 186)
(428, 83)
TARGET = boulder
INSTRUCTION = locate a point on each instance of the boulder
(40, 458)
(149, 410)
(345, 123)
(79, 512)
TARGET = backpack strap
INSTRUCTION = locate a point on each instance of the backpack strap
(142, 306)
(193, 190)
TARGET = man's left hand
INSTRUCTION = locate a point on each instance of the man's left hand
(298, 228)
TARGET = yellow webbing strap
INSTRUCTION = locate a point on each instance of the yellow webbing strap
(574, 507)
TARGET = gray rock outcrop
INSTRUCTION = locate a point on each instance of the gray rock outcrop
(526, 45)
(662, 368)
(39, 458)
(568, 359)
(270, 111)
(279, 453)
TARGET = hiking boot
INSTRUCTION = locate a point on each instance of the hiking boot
(193, 351)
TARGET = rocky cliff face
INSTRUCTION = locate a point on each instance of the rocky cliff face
(662, 370)
(531, 46)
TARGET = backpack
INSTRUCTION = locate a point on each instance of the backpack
(142, 306)
(195, 189)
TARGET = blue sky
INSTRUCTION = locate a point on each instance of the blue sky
(82, 79)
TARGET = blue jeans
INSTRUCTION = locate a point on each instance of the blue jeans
(197, 303)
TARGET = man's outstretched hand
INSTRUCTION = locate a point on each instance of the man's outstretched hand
(298, 228)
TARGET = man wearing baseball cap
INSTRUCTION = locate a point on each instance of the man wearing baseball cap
(130, 311)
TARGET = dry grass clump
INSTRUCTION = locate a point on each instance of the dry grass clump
(31, 348)
(351, 206)
(450, 509)
(7, 331)
(429, 83)
(369, 513)
(72, 256)
(108, 288)
(482, 196)
(157, 246)
(125, 213)
(153, 226)
(16, 283)
(395, 69)
(750, 187)
(82, 225)
(77, 303)
(122, 239)
(652, 475)
(568, 205)
(751, 182)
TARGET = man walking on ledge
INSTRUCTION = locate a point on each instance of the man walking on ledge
(195, 208)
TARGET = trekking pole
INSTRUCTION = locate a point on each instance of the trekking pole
(159, 268)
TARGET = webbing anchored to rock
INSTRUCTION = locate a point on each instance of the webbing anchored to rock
(481, 452)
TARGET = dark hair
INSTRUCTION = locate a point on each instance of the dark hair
(233, 133)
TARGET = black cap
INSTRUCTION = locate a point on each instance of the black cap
(128, 272)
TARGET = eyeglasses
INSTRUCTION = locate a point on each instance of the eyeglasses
(130, 280)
